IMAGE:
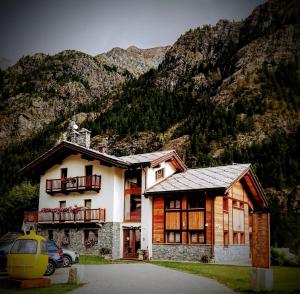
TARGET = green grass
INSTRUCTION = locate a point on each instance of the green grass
(55, 288)
(96, 259)
(286, 279)
(93, 259)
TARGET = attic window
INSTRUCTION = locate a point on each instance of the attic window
(159, 174)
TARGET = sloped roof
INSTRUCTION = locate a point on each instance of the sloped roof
(214, 178)
(219, 179)
(154, 158)
(65, 148)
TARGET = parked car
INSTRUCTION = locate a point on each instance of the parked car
(4, 250)
(69, 256)
(55, 258)
(55, 255)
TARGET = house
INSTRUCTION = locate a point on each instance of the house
(101, 204)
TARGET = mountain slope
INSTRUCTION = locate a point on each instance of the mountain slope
(39, 89)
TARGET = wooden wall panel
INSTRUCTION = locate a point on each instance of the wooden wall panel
(172, 220)
(208, 220)
(218, 209)
(261, 240)
(238, 191)
(196, 220)
(158, 220)
(230, 221)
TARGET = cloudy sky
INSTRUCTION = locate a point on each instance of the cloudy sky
(96, 26)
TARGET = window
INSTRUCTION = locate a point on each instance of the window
(225, 204)
(159, 174)
(235, 238)
(226, 239)
(25, 246)
(196, 201)
(62, 204)
(44, 247)
(173, 203)
(90, 238)
(132, 207)
(242, 238)
(173, 237)
(197, 237)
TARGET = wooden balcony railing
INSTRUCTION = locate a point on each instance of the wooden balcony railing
(133, 216)
(82, 216)
(74, 184)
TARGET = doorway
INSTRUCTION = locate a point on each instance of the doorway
(131, 242)
(88, 175)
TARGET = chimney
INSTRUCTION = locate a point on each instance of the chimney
(84, 138)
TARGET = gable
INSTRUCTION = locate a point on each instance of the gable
(57, 154)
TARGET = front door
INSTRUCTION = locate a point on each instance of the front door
(131, 242)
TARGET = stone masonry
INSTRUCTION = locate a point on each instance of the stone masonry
(234, 254)
(108, 239)
(181, 252)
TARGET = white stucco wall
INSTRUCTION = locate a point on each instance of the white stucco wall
(148, 180)
(112, 187)
(169, 169)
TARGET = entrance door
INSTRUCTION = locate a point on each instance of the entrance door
(131, 242)
(88, 206)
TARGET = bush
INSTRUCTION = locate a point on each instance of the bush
(278, 257)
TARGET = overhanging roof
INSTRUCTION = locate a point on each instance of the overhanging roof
(155, 158)
(65, 148)
(59, 152)
(219, 179)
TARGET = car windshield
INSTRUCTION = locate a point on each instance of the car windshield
(24, 246)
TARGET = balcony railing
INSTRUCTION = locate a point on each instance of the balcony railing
(133, 216)
(82, 216)
(74, 184)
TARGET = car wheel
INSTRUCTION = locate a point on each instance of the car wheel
(67, 260)
(50, 268)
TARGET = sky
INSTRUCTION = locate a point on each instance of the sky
(97, 26)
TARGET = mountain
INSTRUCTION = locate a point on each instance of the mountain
(221, 94)
(40, 89)
(136, 61)
(4, 63)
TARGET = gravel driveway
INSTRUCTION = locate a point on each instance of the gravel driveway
(138, 279)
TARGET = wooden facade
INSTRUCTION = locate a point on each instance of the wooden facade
(217, 219)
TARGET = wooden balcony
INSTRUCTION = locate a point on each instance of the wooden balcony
(96, 215)
(134, 216)
(74, 184)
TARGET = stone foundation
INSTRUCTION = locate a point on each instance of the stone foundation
(234, 254)
(181, 252)
(108, 239)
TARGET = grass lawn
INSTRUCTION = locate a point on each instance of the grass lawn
(55, 288)
(96, 259)
(286, 279)
(93, 259)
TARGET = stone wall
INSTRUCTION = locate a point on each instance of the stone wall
(181, 252)
(234, 254)
(108, 238)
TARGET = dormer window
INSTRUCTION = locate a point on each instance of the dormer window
(159, 174)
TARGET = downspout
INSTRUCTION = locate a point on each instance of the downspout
(212, 225)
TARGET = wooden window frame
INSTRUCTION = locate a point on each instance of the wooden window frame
(159, 174)
(181, 211)
(175, 232)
